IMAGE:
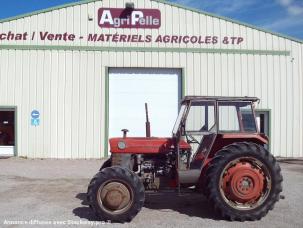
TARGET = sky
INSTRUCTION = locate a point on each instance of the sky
(282, 16)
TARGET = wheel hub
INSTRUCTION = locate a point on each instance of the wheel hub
(115, 196)
(243, 182)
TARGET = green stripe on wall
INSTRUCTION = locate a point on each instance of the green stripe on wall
(144, 49)
(106, 112)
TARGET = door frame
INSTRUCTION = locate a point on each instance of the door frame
(14, 109)
(269, 123)
(106, 110)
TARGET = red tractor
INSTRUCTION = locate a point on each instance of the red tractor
(215, 148)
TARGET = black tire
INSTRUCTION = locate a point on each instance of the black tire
(217, 169)
(128, 179)
(107, 163)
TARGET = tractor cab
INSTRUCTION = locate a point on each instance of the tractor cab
(208, 124)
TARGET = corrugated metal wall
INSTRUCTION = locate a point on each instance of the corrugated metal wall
(68, 87)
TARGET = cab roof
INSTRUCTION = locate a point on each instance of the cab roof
(218, 98)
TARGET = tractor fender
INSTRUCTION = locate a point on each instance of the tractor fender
(107, 163)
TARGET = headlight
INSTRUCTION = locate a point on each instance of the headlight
(121, 145)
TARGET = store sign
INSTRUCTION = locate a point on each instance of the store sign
(123, 38)
(136, 19)
(129, 18)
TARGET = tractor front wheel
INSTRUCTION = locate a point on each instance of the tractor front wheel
(243, 181)
(116, 194)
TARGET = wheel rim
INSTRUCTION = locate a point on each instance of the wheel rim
(245, 183)
(115, 197)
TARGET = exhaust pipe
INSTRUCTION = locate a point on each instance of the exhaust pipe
(147, 123)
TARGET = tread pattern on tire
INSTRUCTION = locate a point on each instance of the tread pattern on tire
(116, 172)
(215, 168)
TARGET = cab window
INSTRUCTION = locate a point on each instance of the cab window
(201, 117)
(236, 117)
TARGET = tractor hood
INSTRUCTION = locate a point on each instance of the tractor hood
(143, 145)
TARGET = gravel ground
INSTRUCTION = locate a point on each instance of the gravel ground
(53, 191)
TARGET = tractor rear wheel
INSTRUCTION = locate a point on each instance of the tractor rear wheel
(116, 194)
(243, 181)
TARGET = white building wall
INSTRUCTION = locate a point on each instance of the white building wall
(68, 87)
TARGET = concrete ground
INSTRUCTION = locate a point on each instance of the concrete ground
(53, 192)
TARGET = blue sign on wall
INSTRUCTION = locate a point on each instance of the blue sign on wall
(35, 122)
(35, 115)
